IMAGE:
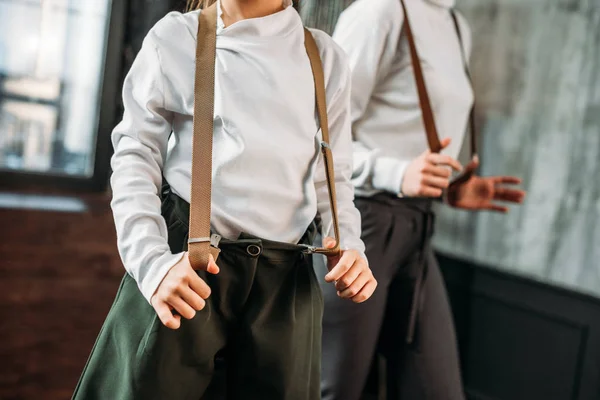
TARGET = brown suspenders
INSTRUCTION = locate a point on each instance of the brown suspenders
(428, 119)
(433, 141)
(200, 244)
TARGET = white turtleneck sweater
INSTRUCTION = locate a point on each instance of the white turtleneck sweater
(386, 117)
(268, 175)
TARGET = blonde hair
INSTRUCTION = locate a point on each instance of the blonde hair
(196, 4)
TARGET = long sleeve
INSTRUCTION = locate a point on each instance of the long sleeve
(140, 144)
(338, 108)
(369, 34)
(466, 36)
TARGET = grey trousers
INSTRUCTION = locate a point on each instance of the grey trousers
(397, 235)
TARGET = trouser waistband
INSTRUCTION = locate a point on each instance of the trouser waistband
(175, 207)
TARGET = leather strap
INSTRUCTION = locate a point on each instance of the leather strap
(426, 110)
(199, 245)
(433, 138)
(472, 131)
(317, 68)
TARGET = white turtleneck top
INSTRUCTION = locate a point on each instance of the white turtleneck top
(268, 175)
(386, 117)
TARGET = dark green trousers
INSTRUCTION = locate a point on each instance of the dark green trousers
(263, 319)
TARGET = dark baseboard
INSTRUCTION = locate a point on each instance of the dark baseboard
(521, 339)
(473, 395)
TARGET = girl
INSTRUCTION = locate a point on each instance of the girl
(259, 304)
(396, 176)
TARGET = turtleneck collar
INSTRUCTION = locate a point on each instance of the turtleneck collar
(277, 24)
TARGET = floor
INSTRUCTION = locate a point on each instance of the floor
(60, 271)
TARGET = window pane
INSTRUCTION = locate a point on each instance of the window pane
(51, 62)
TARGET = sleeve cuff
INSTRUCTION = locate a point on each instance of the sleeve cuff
(157, 272)
(388, 173)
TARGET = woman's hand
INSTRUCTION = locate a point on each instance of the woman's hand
(181, 290)
(472, 192)
(352, 276)
(429, 174)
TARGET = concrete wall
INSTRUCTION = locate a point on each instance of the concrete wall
(536, 66)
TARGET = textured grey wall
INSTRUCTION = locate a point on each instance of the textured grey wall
(536, 66)
(322, 14)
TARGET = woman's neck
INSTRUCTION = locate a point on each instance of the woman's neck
(237, 10)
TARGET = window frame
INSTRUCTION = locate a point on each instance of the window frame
(107, 108)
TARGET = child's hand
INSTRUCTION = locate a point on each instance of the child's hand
(181, 290)
(352, 276)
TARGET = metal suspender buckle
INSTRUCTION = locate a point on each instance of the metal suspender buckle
(214, 240)
(309, 249)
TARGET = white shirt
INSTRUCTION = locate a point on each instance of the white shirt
(386, 117)
(268, 174)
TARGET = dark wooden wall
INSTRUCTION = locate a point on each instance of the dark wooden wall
(521, 339)
(60, 272)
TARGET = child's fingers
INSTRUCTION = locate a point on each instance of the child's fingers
(356, 286)
(212, 266)
(165, 315)
(198, 285)
(193, 299)
(183, 308)
(342, 266)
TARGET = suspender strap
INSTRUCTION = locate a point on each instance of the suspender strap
(472, 131)
(317, 68)
(433, 138)
(428, 119)
(199, 244)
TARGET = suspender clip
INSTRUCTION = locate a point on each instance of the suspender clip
(214, 240)
(309, 249)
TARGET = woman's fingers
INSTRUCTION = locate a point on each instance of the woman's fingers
(366, 292)
(497, 208)
(435, 182)
(427, 191)
(437, 170)
(507, 180)
(343, 265)
(442, 159)
(510, 195)
(356, 284)
(348, 278)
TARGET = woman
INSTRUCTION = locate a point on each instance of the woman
(259, 305)
(397, 177)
